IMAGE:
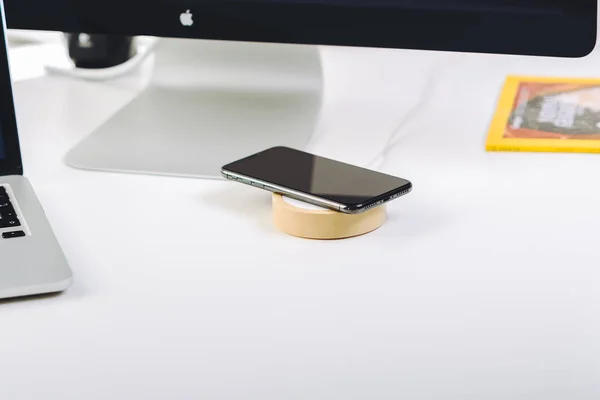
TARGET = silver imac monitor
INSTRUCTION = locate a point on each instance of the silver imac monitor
(233, 77)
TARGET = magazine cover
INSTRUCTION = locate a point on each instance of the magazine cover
(547, 114)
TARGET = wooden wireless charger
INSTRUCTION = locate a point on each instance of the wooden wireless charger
(307, 221)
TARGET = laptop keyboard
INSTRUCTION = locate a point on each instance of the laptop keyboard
(8, 216)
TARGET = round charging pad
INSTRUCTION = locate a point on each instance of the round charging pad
(312, 222)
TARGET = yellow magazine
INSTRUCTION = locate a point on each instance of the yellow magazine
(547, 114)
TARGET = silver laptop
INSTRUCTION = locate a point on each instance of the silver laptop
(31, 260)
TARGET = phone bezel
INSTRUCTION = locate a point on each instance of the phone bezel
(349, 208)
(316, 200)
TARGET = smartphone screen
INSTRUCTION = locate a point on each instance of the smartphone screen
(321, 177)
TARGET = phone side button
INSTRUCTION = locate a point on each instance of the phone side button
(258, 185)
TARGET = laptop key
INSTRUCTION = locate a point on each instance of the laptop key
(8, 214)
(15, 234)
(9, 223)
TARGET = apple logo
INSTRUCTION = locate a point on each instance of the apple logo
(186, 18)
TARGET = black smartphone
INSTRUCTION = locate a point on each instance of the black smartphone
(317, 180)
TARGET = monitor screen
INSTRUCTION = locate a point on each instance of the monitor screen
(10, 155)
(564, 28)
(1, 145)
(539, 6)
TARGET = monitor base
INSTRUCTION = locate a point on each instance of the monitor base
(207, 104)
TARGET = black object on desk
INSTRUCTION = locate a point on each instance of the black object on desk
(95, 51)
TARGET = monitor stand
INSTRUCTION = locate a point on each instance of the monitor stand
(209, 103)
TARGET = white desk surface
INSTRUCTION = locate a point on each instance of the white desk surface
(483, 285)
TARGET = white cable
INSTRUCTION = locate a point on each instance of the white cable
(103, 74)
(396, 136)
